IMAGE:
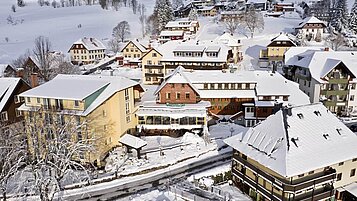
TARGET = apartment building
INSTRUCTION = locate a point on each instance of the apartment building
(310, 28)
(328, 77)
(183, 25)
(299, 153)
(250, 94)
(87, 51)
(132, 52)
(277, 47)
(104, 108)
(191, 54)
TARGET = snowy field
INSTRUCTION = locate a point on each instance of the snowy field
(60, 25)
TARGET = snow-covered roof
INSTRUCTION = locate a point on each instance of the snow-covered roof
(290, 56)
(132, 141)
(7, 87)
(269, 83)
(256, 1)
(151, 108)
(90, 43)
(171, 33)
(351, 188)
(207, 8)
(229, 40)
(167, 50)
(177, 76)
(3, 68)
(295, 140)
(322, 62)
(79, 87)
(141, 47)
(227, 93)
(310, 20)
(181, 23)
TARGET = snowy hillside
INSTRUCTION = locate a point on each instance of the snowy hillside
(59, 24)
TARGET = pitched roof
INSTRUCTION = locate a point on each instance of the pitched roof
(132, 141)
(167, 50)
(298, 142)
(3, 68)
(321, 62)
(7, 87)
(171, 33)
(182, 23)
(290, 56)
(229, 40)
(310, 20)
(79, 87)
(177, 76)
(90, 43)
(282, 38)
(141, 47)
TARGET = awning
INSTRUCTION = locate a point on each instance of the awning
(132, 141)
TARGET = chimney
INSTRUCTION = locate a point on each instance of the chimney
(327, 49)
(34, 80)
(149, 46)
(91, 39)
(20, 73)
(278, 105)
(112, 72)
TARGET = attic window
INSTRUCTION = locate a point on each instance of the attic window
(339, 131)
(294, 140)
(326, 136)
(317, 113)
(300, 115)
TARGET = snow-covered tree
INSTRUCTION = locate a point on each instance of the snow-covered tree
(335, 41)
(232, 24)
(162, 14)
(121, 31)
(20, 3)
(318, 36)
(142, 17)
(193, 15)
(114, 45)
(12, 154)
(176, 4)
(103, 4)
(134, 5)
(43, 55)
(253, 20)
(57, 144)
(353, 19)
(339, 19)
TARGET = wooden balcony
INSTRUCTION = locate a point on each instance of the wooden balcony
(305, 182)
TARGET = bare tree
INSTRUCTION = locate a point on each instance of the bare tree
(121, 31)
(57, 145)
(232, 24)
(12, 154)
(134, 4)
(114, 45)
(142, 18)
(42, 53)
(253, 20)
(335, 41)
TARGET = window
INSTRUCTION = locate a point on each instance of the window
(183, 85)
(149, 62)
(16, 99)
(178, 95)
(219, 86)
(168, 96)
(239, 86)
(339, 177)
(154, 55)
(126, 93)
(187, 95)
(300, 175)
(29, 99)
(352, 98)
(76, 103)
(353, 172)
(340, 164)
(212, 86)
(247, 86)
(172, 85)
(205, 86)
(127, 108)
(128, 119)
(18, 113)
(226, 86)
(353, 86)
(311, 172)
(3, 116)
(104, 113)
(105, 128)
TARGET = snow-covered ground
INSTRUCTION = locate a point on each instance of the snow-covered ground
(60, 25)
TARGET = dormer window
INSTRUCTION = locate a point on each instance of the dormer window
(76, 103)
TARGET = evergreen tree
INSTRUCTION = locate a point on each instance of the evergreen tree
(339, 20)
(353, 19)
(162, 14)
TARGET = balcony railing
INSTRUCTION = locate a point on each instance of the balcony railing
(297, 185)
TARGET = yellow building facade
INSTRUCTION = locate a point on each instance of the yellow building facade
(102, 116)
